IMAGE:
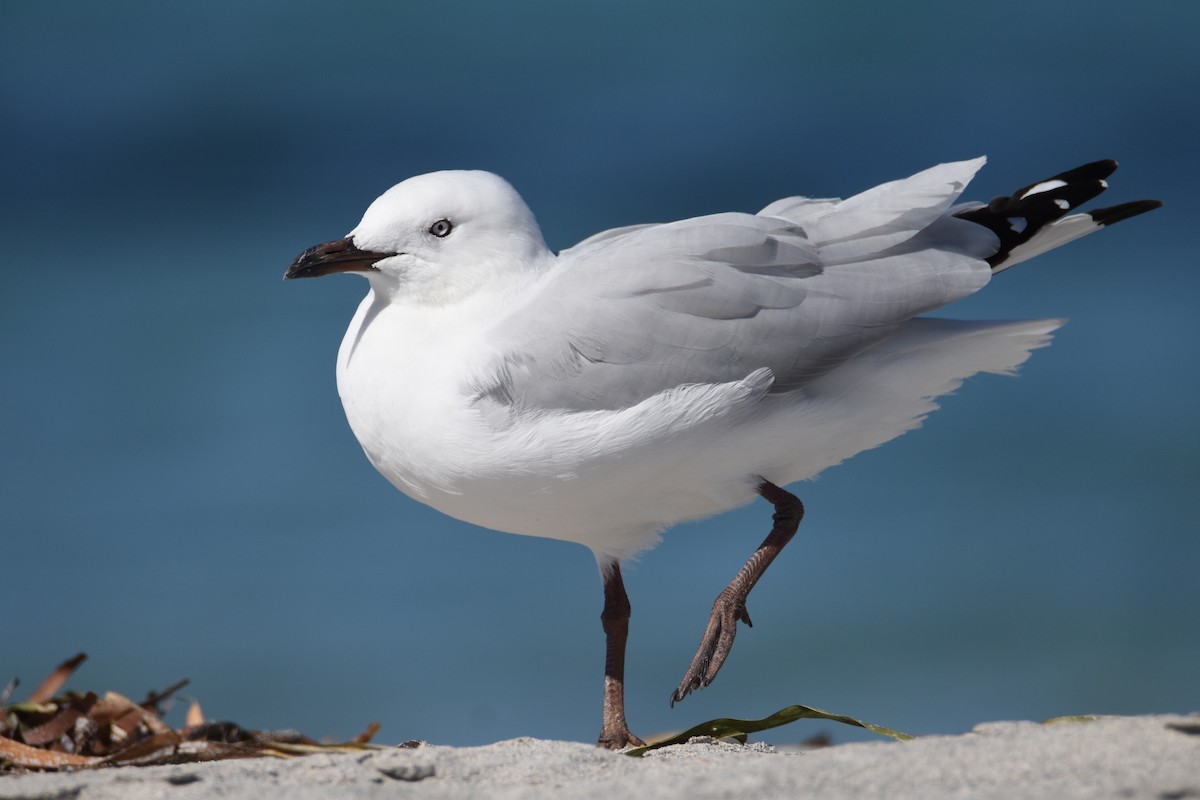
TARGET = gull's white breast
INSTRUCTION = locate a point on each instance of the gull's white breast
(612, 479)
(607, 479)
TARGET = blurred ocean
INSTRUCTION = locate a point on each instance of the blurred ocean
(180, 494)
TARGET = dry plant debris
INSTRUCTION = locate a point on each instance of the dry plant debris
(62, 731)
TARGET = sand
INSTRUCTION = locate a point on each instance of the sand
(1119, 757)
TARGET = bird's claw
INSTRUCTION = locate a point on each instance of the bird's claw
(618, 738)
(714, 645)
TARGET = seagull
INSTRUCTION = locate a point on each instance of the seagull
(660, 373)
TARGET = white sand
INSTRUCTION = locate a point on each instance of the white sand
(1118, 757)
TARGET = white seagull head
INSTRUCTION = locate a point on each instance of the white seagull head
(435, 238)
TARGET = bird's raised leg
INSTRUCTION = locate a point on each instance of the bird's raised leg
(614, 732)
(730, 605)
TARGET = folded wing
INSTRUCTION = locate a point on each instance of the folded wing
(798, 288)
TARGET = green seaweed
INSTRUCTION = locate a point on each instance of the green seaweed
(739, 729)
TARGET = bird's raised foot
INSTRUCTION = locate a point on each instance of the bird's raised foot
(715, 645)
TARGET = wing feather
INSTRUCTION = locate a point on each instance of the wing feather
(798, 289)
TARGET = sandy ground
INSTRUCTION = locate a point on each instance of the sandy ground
(1119, 757)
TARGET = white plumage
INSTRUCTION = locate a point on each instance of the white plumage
(648, 377)
(660, 373)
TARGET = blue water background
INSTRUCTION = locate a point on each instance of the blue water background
(180, 494)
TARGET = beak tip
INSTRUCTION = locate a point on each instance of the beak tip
(336, 256)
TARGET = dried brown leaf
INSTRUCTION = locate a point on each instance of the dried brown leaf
(195, 715)
(54, 728)
(22, 755)
(119, 711)
(145, 750)
(366, 735)
(72, 731)
(55, 680)
(7, 691)
(283, 737)
(154, 699)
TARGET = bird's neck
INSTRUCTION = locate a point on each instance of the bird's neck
(431, 287)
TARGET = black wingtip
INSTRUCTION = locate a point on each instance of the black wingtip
(1092, 174)
(1095, 171)
(1114, 214)
(1016, 219)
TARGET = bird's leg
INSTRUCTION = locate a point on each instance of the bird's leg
(730, 605)
(614, 732)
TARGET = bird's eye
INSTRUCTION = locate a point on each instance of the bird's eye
(441, 228)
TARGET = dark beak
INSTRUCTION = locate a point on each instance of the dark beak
(338, 256)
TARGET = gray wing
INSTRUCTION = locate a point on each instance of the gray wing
(798, 288)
